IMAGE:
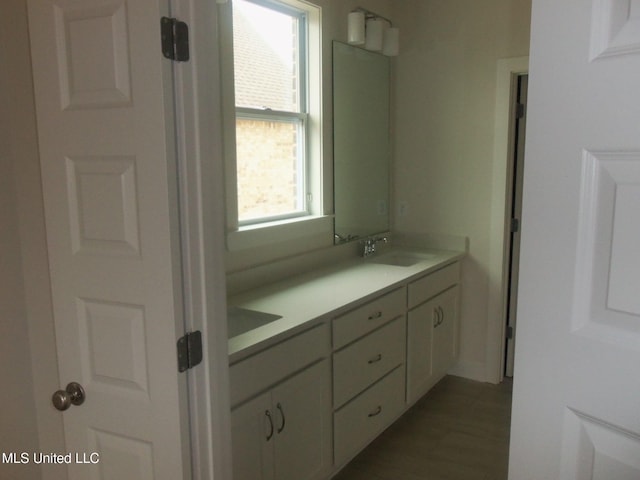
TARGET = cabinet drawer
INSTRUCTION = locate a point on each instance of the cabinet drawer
(430, 285)
(368, 317)
(367, 360)
(254, 374)
(359, 421)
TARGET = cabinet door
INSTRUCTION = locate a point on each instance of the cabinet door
(445, 332)
(302, 417)
(253, 433)
(420, 322)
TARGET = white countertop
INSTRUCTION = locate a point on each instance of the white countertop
(305, 300)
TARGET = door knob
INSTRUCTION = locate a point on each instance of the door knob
(73, 395)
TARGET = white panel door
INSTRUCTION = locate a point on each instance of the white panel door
(104, 109)
(576, 405)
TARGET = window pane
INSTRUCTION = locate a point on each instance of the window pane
(270, 172)
(265, 44)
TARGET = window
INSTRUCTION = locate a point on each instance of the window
(270, 54)
(271, 73)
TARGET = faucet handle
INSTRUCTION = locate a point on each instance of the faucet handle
(366, 246)
(369, 245)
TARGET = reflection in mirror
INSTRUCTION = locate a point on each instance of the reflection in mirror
(361, 142)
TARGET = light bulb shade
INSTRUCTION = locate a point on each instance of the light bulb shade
(391, 43)
(374, 34)
(355, 28)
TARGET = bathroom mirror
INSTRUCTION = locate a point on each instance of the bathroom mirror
(362, 149)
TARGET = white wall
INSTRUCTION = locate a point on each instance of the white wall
(28, 421)
(445, 103)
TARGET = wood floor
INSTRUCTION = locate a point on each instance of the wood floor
(458, 431)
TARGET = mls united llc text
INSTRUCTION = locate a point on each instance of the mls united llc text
(51, 458)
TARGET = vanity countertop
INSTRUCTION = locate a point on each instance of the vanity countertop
(299, 302)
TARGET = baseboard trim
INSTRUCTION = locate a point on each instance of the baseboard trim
(471, 370)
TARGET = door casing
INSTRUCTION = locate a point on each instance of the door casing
(508, 70)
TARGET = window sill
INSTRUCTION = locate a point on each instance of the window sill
(280, 231)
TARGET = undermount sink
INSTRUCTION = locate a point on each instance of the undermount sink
(241, 320)
(401, 259)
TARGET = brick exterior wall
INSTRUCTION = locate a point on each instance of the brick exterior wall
(266, 164)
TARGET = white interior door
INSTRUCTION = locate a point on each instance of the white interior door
(576, 387)
(104, 109)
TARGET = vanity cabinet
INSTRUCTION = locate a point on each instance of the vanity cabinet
(368, 371)
(431, 329)
(284, 432)
(307, 404)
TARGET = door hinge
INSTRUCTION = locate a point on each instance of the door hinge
(515, 225)
(509, 332)
(520, 110)
(189, 350)
(175, 39)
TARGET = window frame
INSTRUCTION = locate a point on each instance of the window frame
(263, 242)
(312, 220)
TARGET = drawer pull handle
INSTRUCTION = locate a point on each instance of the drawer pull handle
(376, 315)
(375, 359)
(268, 415)
(279, 407)
(376, 412)
(438, 316)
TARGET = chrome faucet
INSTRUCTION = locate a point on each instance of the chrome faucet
(369, 245)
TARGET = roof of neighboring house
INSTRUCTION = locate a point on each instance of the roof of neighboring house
(268, 82)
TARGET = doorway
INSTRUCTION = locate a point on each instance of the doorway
(519, 110)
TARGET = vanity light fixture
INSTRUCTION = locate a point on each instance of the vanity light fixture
(374, 31)
(355, 28)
